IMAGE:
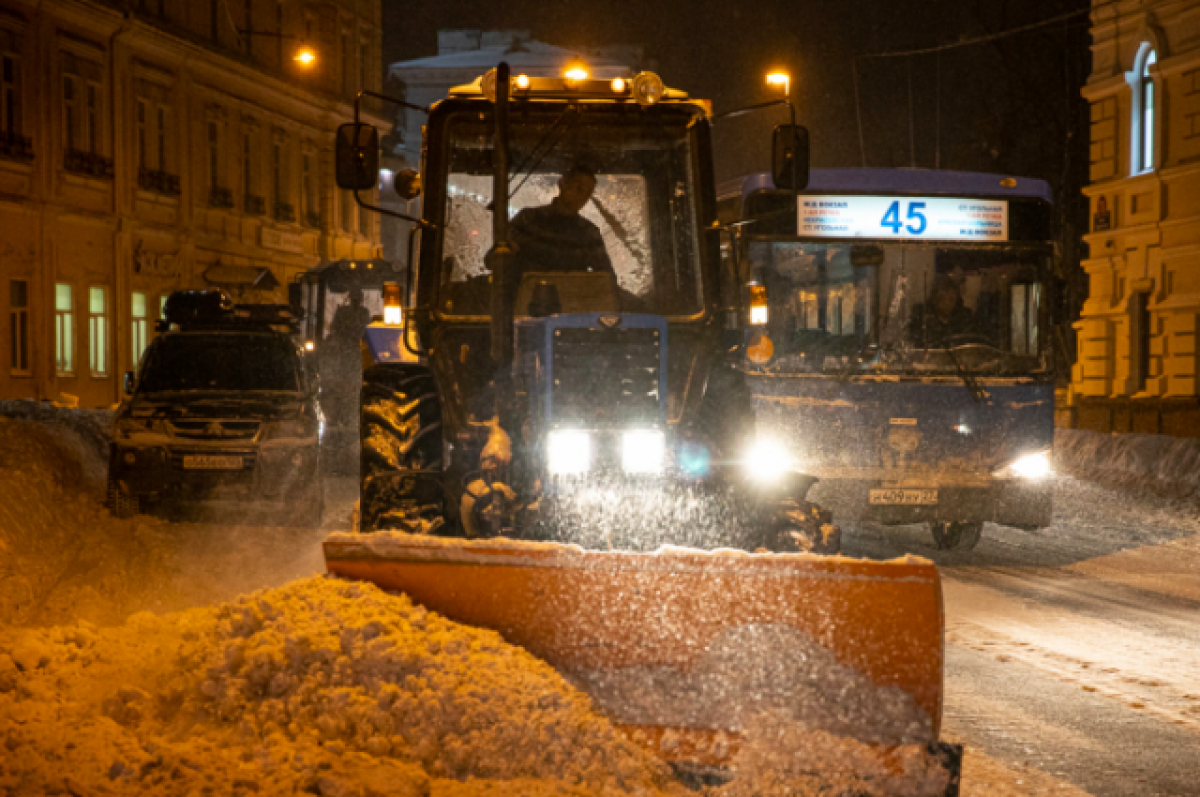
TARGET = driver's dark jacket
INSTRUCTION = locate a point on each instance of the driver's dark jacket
(926, 330)
(547, 240)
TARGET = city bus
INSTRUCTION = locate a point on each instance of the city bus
(903, 352)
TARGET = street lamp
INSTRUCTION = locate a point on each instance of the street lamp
(305, 56)
(781, 79)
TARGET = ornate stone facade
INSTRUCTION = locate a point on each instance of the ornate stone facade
(144, 142)
(1137, 360)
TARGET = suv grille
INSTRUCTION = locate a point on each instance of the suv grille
(215, 430)
(606, 376)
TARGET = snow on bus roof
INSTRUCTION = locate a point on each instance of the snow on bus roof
(904, 181)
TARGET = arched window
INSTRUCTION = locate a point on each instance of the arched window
(1146, 82)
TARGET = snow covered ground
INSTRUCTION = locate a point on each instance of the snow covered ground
(137, 658)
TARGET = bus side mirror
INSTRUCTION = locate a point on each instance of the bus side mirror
(789, 157)
(357, 157)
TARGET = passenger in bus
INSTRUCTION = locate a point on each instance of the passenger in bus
(556, 237)
(941, 320)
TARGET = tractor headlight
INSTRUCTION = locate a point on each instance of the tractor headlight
(768, 461)
(568, 452)
(1030, 466)
(642, 451)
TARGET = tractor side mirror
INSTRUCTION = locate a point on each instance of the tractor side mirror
(789, 157)
(357, 157)
(130, 383)
(407, 184)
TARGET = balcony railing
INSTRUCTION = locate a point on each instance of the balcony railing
(15, 147)
(158, 182)
(88, 163)
(284, 212)
(220, 198)
(254, 205)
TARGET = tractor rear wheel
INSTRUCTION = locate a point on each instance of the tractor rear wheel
(401, 428)
(956, 535)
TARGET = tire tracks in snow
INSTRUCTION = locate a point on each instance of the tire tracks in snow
(1138, 649)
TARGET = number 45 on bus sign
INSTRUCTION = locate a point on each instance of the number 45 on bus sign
(915, 218)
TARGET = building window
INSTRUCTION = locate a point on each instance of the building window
(214, 158)
(98, 330)
(81, 106)
(347, 66)
(91, 118)
(10, 95)
(347, 211)
(277, 172)
(138, 325)
(247, 165)
(64, 329)
(142, 136)
(1143, 129)
(364, 224)
(1142, 334)
(18, 326)
(160, 134)
(248, 16)
(162, 306)
(71, 115)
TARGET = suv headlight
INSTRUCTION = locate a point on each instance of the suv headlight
(128, 427)
(291, 430)
(568, 451)
(1029, 466)
(642, 451)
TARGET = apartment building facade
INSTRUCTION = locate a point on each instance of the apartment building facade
(152, 145)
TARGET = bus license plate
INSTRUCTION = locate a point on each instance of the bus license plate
(210, 462)
(905, 497)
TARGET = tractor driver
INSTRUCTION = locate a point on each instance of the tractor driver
(556, 237)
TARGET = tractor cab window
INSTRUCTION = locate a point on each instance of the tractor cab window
(601, 204)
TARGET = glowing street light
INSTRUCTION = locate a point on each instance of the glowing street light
(305, 56)
(781, 79)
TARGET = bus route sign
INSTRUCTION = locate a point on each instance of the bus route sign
(910, 217)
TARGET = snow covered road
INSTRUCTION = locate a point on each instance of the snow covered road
(1073, 653)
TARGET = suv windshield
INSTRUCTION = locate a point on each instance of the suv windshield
(220, 362)
(903, 308)
(634, 236)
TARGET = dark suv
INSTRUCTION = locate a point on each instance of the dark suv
(221, 407)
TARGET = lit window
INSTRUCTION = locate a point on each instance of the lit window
(18, 326)
(1144, 116)
(137, 325)
(64, 329)
(98, 330)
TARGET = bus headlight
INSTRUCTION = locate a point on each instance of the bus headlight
(767, 461)
(642, 451)
(1030, 466)
(568, 452)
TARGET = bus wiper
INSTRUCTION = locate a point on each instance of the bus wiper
(978, 393)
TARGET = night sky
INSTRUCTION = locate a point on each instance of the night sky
(1004, 106)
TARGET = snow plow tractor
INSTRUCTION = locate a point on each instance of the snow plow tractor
(556, 443)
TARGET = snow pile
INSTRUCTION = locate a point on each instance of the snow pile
(326, 686)
(1147, 464)
(62, 556)
(783, 759)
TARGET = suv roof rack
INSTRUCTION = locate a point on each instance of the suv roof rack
(214, 309)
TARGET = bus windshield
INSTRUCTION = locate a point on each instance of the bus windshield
(636, 227)
(903, 308)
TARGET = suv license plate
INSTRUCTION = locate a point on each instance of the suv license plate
(208, 462)
(905, 497)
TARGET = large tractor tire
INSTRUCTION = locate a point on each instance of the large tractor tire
(957, 535)
(401, 452)
(120, 502)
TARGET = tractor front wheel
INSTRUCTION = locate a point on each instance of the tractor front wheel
(957, 535)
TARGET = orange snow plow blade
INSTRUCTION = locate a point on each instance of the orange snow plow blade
(636, 629)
